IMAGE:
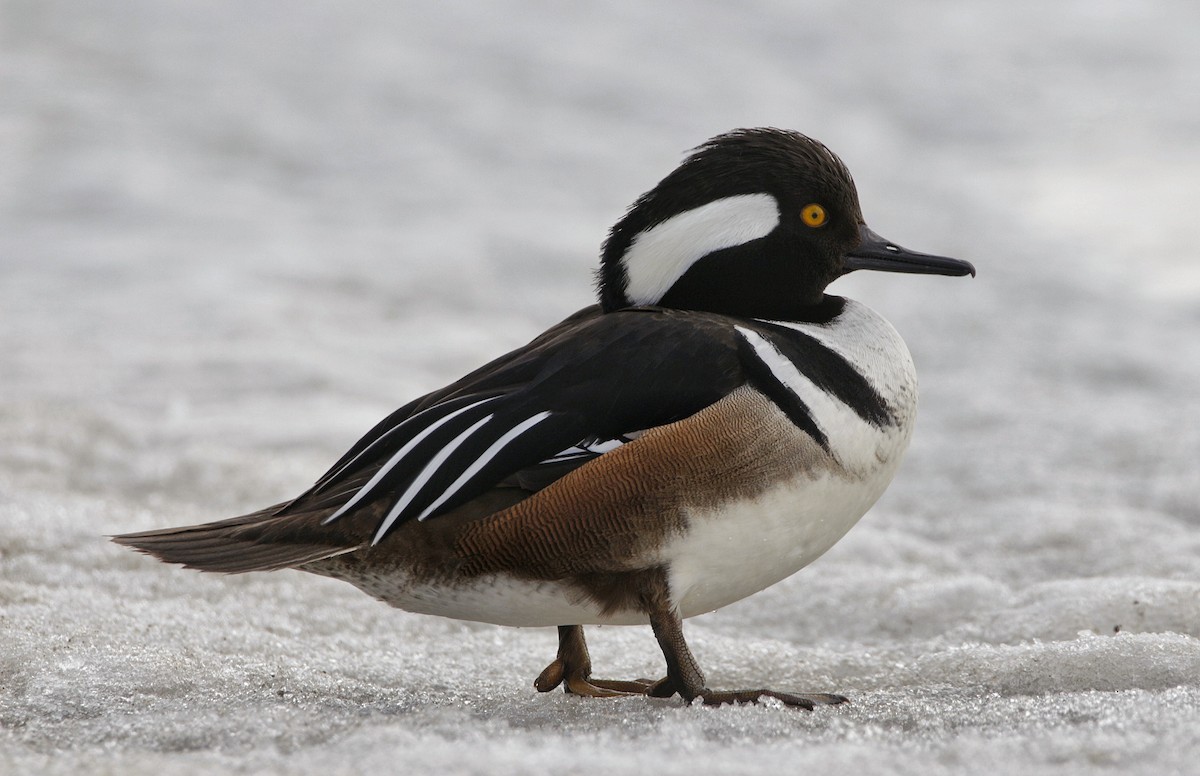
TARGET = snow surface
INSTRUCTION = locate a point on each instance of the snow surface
(235, 234)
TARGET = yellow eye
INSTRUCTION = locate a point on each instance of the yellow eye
(813, 215)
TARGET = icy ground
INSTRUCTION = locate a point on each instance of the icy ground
(235, 234)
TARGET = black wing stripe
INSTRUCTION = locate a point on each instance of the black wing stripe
(763, 363)
(406, 449)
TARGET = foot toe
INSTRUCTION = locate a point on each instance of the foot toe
(599, 688)
(578, 683)
(550, 678)
(627, 686)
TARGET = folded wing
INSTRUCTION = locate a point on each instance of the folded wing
(578, 391)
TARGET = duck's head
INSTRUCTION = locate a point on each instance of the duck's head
(755, 223)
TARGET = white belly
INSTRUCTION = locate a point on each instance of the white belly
(751, 545)
(496, 598)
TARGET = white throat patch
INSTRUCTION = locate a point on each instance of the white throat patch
(661, 255)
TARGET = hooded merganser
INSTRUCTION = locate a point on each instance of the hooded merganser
(712, 426)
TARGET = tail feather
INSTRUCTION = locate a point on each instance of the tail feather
(260, 541)
(289, 534)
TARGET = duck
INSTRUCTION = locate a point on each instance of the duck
(712, 425)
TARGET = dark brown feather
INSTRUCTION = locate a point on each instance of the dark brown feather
(259, 541)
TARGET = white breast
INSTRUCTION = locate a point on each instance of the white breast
(741, 547)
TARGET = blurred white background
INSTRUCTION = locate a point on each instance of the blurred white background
(233, 235)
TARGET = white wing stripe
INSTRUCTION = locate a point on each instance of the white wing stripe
(430, 468)
(483, 460)
(592, 449)
(562, 457)
(413, 420)
(400, 454)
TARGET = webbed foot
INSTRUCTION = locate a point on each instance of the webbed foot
(573, 667)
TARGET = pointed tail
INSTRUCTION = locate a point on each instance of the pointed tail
(260, 541)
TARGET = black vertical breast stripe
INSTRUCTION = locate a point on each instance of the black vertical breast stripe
(762, 378)
(829, 371)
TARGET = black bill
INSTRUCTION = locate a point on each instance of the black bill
(874, 252)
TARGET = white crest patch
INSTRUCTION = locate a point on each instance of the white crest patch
(659, 256)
